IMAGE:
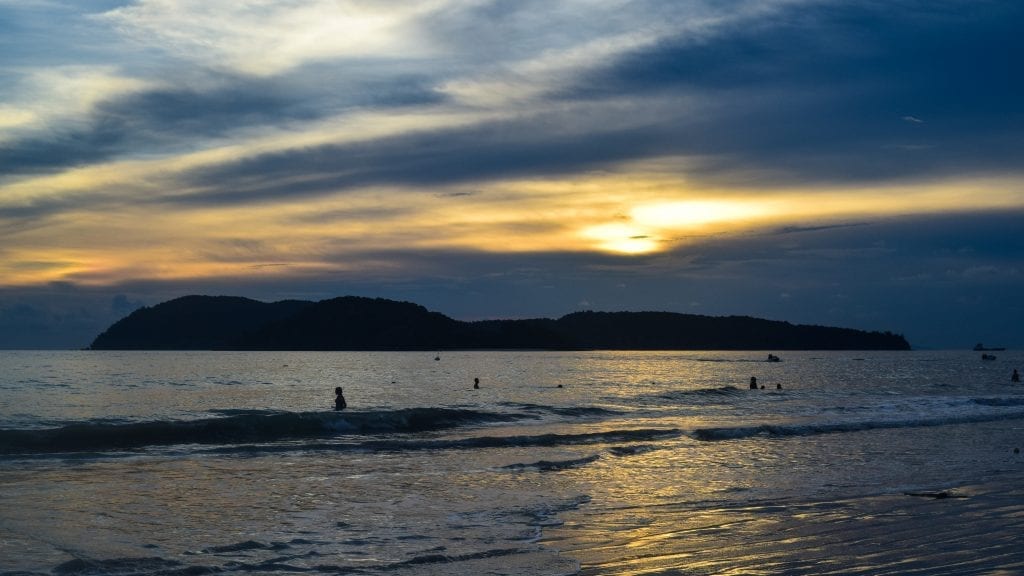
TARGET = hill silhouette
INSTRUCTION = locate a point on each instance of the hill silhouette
(357, 323)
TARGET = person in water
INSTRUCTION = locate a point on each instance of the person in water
(1015, 377)
(476, 383)
(339, 399)
(753, 382)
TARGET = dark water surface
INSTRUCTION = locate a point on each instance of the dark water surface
(561, 463)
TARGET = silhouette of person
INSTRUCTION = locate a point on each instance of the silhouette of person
(753, 383)
(476, 383)
(778, 386)
(339, 399)
(1015, 377)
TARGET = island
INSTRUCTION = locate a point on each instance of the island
(359, 323)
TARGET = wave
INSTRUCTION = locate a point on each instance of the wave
(572, 411)
(245, 427)
(633, 450)
(551, 465)
(731, 360)
(449, 559)
(999, 401)
(483, 561)
(785, 430)
(680, 395)
(471, 443)
(693, 397)
(150, 565)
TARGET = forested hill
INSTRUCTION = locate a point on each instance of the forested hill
(355, 323)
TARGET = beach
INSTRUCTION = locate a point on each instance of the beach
(559, 463)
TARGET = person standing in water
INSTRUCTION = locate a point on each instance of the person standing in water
(1015, 377)
(753, 382)
(476, 383)
(339, 399)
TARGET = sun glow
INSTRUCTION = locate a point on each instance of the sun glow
(650, 227)
(696, 213)
(622, 238)
(628, 210)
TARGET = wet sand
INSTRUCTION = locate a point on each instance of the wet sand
(963, 530)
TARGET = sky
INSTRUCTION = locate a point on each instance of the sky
(834, 162)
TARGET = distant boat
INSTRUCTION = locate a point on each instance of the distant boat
(988, 357)
(773, 358)
(979, 347)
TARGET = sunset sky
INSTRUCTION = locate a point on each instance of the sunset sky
(838, 162)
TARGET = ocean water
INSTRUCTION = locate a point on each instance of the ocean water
(561, 463)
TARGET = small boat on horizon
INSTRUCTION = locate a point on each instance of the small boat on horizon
(979, 347)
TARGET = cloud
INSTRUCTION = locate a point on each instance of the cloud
(49, 99)
(267, 38)
(122, 305)
(478, 153)
(808, 95)
(129, 117)
(52, 122)
(779, 92)
(801, 229)
(57, 316)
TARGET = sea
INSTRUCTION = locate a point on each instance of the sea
(597, 462)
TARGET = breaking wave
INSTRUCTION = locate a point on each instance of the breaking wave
(553, 465)
(699, 394)
(471, 443)
(238, 428)
(572, 411)
(786, 430)
(249, 432)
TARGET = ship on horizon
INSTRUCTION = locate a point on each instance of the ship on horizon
(979, 347)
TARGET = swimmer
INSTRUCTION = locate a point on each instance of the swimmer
(1015, 377)
(753, 383)
(339, 399)
(476, 383)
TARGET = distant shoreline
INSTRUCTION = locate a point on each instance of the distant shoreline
(373, 324)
